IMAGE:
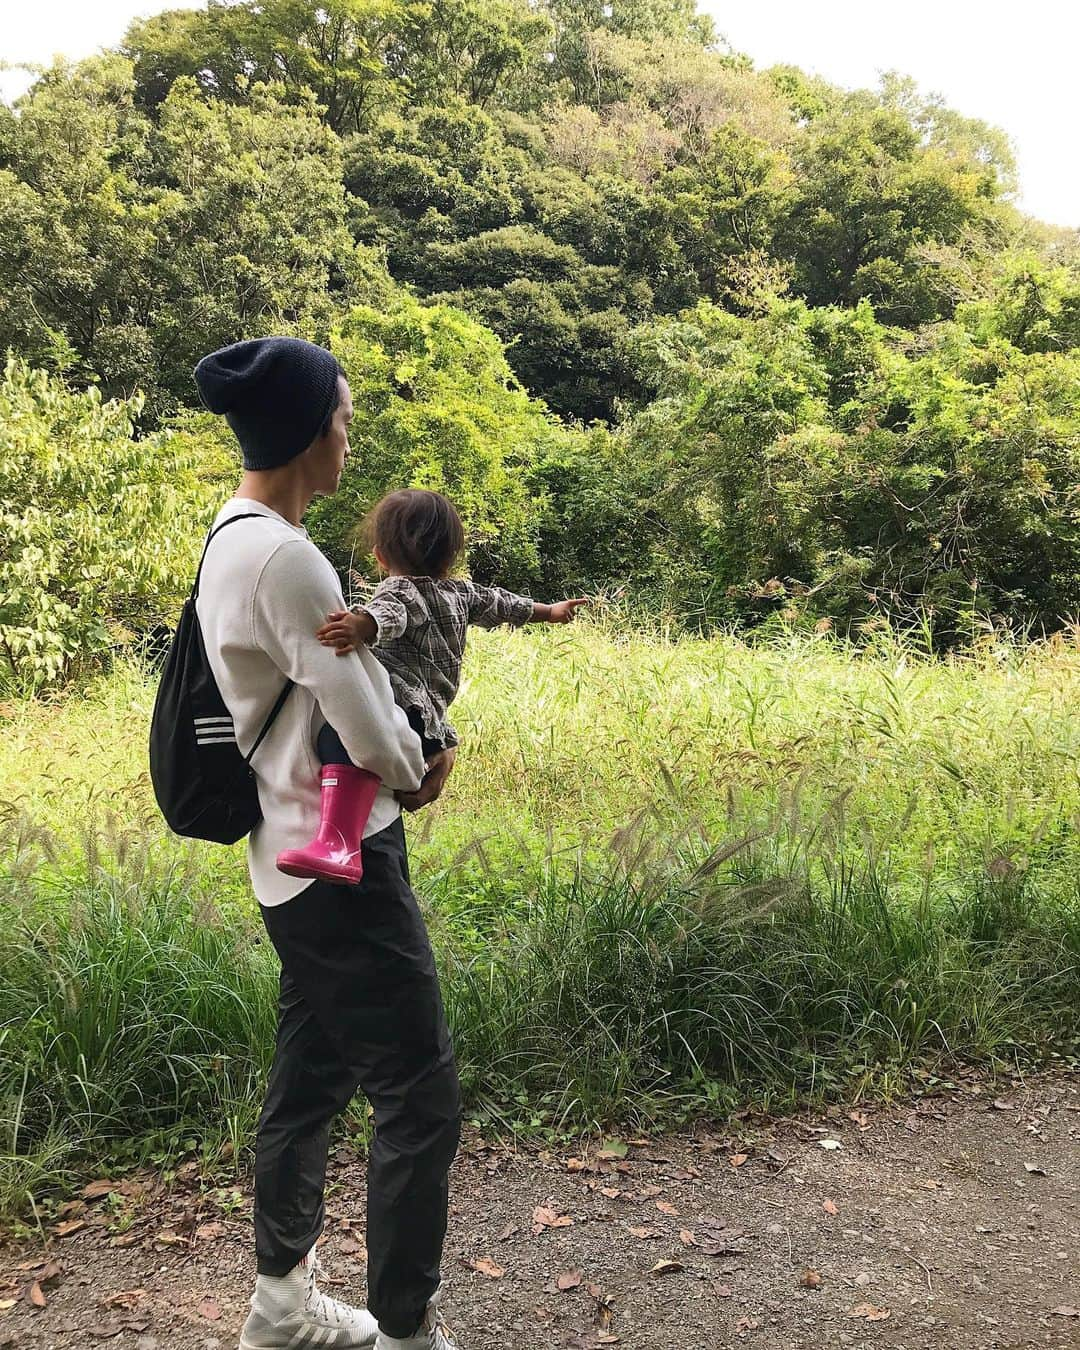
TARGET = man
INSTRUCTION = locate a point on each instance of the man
(359, 1000)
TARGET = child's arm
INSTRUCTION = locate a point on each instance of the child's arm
(562, 611)
(382, 619)
(490, 606)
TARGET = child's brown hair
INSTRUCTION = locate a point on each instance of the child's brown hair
(418, 532)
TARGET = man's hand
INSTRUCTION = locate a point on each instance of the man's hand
(346, 630)
(439, 766)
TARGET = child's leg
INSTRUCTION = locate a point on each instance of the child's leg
(347, 795)
(329, 747)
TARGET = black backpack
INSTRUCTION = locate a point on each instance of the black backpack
(205, 787)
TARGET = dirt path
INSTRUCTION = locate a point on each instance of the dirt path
(952, 1223)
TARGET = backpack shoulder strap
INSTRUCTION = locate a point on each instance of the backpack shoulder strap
(247, 515)
(287, 690)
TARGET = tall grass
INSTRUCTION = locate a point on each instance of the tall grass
(668, 876)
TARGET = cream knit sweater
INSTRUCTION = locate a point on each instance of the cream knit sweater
(265, 588)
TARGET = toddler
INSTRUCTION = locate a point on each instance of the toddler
(415, 621)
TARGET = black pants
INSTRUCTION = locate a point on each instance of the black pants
(330, 749)
(360, 1007)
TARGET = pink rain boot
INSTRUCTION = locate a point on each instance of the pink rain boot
(334, 853)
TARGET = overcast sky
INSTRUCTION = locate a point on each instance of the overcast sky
(1012, 64)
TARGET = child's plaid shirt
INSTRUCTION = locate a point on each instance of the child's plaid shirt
(421, 624)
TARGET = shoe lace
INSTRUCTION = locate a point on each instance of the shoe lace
(439, 1334)
(318, 1304)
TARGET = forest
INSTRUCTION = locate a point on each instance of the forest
(732, 345)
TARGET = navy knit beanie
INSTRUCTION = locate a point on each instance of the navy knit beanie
(275, 392)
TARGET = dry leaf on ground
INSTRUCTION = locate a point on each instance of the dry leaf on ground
(869, 1312)
(543, 1217)
(483, 1265)
(125, 1298)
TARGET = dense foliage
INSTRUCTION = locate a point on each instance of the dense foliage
(96, 536)
(827, 367)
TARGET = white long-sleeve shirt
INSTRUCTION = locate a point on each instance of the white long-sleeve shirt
(265, 589)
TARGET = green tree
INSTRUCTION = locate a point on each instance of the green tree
(347, 52)
(128, 248)
(99, 531)
(872, 186)
(437, 406)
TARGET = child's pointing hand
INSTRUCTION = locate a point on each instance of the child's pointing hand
(563, 611)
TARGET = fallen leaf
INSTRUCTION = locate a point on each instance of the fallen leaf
(169, 1237)
(830, 1144)
(576, 1164)
(209, 1309)
(869, 1312)
(352, 1246)
(50, 1272)
(569, 1279)
(105, 1331)
(666, 1207)
(737, 1159)
(208, 1232)
(643, 1232)
(666, 1267)
(810, 1279)
(543, 1217)
(687, 1238)
(717, 1239)
(722, 1290)
(747, 1324)
(483, 1265)
(37, 1296)
(1065, 1310)
(612, 1148)
(124, 1240)
(647, 1192)
(69, 1226)
(1001, 1105)
(612, 1192)
(96, 1189)
(1034, 1169)
(126, 1298)
(509, 1231)
(829, 1207)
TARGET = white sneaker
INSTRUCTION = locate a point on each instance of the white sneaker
(432, 1333)
(289, 1313)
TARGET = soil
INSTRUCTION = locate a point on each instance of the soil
(950, 1221)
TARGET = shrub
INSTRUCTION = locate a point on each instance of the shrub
(99, 530)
